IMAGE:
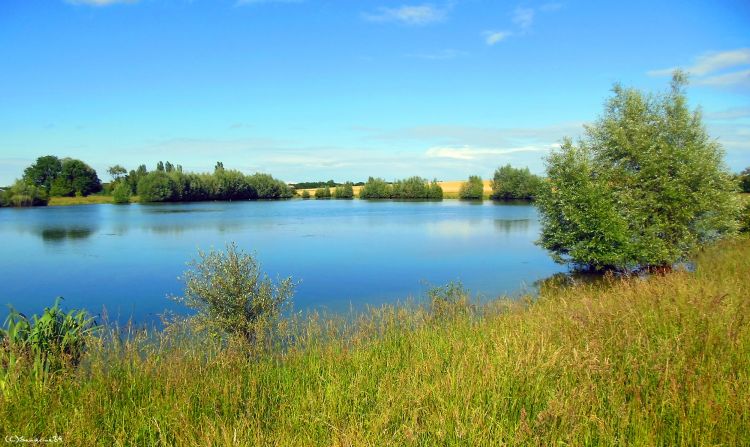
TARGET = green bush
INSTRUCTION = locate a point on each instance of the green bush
(230, 296)
(156, 186)
(510, 183)
(323, 193)
(472, 189)
(22, 194)
(121, 193)
(76, 178)
(375, 188)
(744, 180)
(51, 341)
(745, 218)
(448, 301)
(644, 187)
(305, 194)
(345, 191)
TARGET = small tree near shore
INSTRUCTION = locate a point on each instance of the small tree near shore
(231, 296)
(643, 188)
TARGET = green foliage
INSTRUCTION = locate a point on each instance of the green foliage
(376, 188)
(23, 194)
(76, 178)
(345, 191)
(156, 186)
(231, 296)
(117, 172)
(121, 193)
(305, 194)
(472, 189)
(510, 183)
(448, 301)
(745, 218)
(51, 341)
(323, 193)
(744, 180)
(43, 172)
(311, 185)
(644, 187)
(416, 188)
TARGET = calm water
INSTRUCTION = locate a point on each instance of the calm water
(127, 259)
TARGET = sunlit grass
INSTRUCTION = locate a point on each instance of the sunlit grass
(88, 200)
(663, 361)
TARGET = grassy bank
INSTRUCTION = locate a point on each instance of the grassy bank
(88, 200)
(665, 361)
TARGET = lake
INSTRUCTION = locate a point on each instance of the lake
(347, 253)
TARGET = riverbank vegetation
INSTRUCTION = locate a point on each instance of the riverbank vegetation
(473, 189)
(645, 186)
(410, 188)
(660, 361)
(511, 183)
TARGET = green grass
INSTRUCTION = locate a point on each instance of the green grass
(88, 200)
(663, 361)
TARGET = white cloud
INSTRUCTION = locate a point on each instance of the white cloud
(99, 2)
(523, 17)
(718, 69)
(409, 15)
(493, 37)
(474, 153)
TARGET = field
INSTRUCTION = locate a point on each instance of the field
(657, 361)
(450, 189)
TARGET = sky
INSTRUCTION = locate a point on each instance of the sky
(322, 89)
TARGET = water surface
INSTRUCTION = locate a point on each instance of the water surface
(346, 253)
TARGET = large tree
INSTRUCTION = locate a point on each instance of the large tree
(75, 178)
(43, 172)
(644, 186)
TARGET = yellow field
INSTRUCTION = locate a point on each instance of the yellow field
(450, 188)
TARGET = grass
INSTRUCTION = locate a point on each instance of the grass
(663, 361)
(88, 200)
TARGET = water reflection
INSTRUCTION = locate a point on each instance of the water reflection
(512, 225)
(56, 235)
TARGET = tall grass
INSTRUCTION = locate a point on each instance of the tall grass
(662, 361)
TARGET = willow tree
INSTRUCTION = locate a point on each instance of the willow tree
(644, 186)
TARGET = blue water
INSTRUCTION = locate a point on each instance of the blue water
(346, 253)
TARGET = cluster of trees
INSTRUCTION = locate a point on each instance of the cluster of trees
(344, 191)
(318, 185)
(744, 180)
(473, 189)
(511, 183)
(51, 176)
(168, 183)
(643, 188)
(410, 188)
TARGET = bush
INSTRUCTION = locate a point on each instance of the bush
(23, 194)
(323, 193)
(345, 191)
(305, 194)
(231, 297)
(121, 193)
(744, 179)
(745, 218)
(510, 183)
(156, 186)
(375, 188)
(472, 189)
(644, 187)
(51, 341)
(448, 301)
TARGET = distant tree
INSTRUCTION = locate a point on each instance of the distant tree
(345, 191)
(472, 189)
(376, 188)
(156, 186)
(436, 191)
(305, 194)
(510, 183)
(643, 188)
(116, 172)
(75, 178)
(219, 166)
(323, 193)
(168, 167)
(160, 166)
(121, 193)
(43, 172)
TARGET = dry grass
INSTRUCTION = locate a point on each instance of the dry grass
(450, 189)
(88, 200)
(663, 361)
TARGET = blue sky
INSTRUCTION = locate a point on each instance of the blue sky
(315, 89)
